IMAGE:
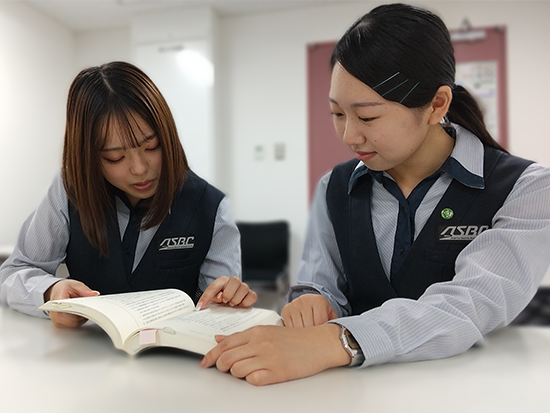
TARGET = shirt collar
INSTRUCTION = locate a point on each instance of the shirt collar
(140, 208)
(465, 164)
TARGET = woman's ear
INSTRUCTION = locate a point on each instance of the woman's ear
(440, 104)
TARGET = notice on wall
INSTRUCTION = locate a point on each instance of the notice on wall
(480, 79)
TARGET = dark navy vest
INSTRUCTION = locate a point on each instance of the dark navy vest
(172, 259)
(432, 256)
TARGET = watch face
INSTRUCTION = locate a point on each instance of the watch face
(351, 340)
(352, 347)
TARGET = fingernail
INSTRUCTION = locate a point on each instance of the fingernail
(198, 307)
(219, 296)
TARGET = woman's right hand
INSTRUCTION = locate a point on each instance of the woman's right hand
(67, 289)
(308, 310)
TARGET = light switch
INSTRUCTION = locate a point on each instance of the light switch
(259, 152)
(280, 151)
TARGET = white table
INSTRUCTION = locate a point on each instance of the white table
(46, 369)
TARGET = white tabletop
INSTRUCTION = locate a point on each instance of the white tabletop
(46, 369)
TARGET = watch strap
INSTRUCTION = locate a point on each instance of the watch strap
(352, 347)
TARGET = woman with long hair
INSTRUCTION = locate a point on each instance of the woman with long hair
(126, 213)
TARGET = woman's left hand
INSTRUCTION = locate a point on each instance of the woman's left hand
(231, 291)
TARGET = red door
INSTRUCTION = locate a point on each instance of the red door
(326, 150)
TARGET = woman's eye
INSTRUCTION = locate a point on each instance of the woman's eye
(154, 147)
(114, 160)
(366, 119)
(337, 114)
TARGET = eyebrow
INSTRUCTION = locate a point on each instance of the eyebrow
(359, 104)
(122, 148)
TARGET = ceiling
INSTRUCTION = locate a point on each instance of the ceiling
(89, 15)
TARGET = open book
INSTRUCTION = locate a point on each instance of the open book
(162, 318)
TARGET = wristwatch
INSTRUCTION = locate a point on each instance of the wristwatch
(352, 347)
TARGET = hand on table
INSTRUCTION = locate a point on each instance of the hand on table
(67, 289)
(270, 354)
(231, 291)
(308, 310)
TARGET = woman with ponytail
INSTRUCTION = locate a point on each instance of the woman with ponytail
(427, 241)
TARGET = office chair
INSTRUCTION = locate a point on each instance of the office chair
(5, 253)
(537, 311)
(265, 257)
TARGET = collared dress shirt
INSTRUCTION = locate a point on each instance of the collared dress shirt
(44, 236)
(496, 274)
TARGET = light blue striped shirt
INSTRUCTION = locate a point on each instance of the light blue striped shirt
(44, 237)
(496, 274)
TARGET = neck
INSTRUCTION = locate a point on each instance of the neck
(429, 157)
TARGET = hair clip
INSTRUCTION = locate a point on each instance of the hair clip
(393, 84)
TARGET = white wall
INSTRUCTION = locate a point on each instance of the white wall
(265, 102)
(36, 68)
(95, 48)
(175, 48)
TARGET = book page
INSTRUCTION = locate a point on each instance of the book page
(129, 311)
(150, 306)
(219, 319)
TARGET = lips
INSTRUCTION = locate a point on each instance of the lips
(365, 156)
(143, 186)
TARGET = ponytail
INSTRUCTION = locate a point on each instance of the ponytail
(465, 111)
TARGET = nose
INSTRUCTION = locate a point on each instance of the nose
(352, 134)
(138, 163)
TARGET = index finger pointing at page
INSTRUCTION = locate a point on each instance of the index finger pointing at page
(213, 290)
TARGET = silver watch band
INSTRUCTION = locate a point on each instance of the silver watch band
(352, 347)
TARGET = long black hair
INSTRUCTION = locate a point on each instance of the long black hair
(405, 54)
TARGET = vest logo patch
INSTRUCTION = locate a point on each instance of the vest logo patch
(459, 233)
(177, 243)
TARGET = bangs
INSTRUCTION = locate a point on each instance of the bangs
(122, 123)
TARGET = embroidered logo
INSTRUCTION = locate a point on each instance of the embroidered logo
(447, 213)
(177, 243)
(459, 233)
